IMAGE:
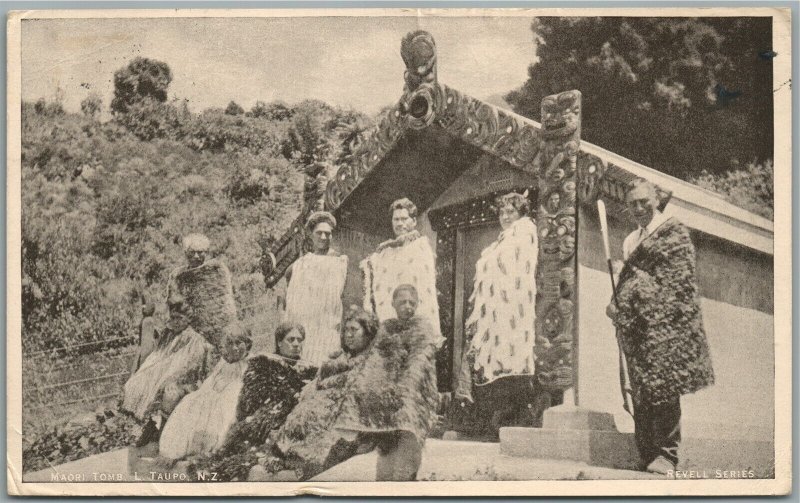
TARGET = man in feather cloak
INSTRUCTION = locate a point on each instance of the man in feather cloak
(660, 325)
(406, 259)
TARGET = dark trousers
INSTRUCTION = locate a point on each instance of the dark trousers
(658, 430)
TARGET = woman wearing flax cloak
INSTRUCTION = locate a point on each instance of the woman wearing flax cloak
(201, 304)
(503, 304)
(307, 441)
(314, 292)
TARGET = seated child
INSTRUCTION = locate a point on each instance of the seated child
(200, 422)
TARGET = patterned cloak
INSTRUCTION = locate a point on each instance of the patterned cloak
(187, 354)
(408, 259)
(396, 388)
(659, 317)
(307, 440)
(503, 300)
(270, 391)
(314, 300)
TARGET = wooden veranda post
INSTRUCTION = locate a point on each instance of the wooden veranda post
(556, 338)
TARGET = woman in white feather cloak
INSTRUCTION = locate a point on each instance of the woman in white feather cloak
(503, 304)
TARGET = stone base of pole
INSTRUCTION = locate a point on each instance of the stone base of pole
(573, 433)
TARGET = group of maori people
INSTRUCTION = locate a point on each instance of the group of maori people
(340, 381)
(346, 381)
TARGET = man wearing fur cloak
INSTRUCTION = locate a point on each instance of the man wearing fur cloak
(660, 326)
(406, 259)
(393, 399)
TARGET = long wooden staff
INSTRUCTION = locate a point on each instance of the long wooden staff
(624, 381)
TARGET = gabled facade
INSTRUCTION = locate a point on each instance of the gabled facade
(452, 154)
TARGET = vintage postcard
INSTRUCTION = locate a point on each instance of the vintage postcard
(466, 252)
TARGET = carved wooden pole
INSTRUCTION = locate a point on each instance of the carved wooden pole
(556, 339)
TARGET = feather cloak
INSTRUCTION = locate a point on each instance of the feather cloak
(503, 300)
(314, 300)
(396, 389)
(408, 259)
(659, 317)
(307, 440)
(270, 390)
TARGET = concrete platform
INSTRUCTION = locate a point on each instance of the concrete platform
(585, 436)
(441, 460)
(463, 460)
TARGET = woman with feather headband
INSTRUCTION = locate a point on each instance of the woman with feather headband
(503, 303)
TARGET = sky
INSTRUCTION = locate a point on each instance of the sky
(346, 61)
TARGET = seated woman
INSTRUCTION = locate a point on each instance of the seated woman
(499, 362)
(201, 304)
(307, 441)
(270, 388)
(200, 422)
(392, 399)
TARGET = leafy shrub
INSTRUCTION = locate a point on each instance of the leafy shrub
(274, 111)
(92, 105)
(246, 184)
(111, 429)
(148, 119)
(751, 188)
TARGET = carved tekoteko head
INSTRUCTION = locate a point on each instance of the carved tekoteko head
(560, 114)
(418, 50)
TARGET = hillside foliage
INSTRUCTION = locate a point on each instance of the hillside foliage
(105, 204)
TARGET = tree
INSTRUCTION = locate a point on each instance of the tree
(143, 79)
(661, 91)
(276, 111)
(751, 188)
(92, 105)
(234, 108)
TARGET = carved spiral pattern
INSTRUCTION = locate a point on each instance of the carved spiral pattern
(482, 125)
(590, 171)
(556, 163)
(382, 139)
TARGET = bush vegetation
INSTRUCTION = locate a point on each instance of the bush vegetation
(105, 204)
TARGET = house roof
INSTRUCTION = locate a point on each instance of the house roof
(424, 142)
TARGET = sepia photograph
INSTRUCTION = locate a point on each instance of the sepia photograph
(467, 252)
